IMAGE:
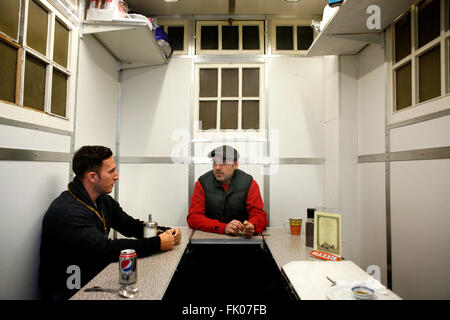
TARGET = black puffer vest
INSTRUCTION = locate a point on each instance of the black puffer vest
(226, 206)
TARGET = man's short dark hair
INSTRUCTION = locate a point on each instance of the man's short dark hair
(89, 158)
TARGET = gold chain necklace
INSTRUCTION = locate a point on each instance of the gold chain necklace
(102, 217)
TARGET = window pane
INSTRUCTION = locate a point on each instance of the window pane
(208, 115)
(430, 74)
(429, 22)
(250, 82)
(208, 82)
(403, 38)
(250, 37)
(210, 37)
(403, 86)
(37, 28)
(229, 115)
(8, 66)
(230, 37)
(285, 38)
(9, 17)
(61, 44)
(59, 93)
(230, 82)
(250, 114)
(304, 37)
(176, 35)
(34, 90)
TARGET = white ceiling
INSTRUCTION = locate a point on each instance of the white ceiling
(245, 7)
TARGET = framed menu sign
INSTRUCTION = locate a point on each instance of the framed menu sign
(327, 232)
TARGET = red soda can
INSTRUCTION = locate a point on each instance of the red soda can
(127, 267)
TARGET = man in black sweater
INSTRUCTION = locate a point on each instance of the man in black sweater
(76, 226)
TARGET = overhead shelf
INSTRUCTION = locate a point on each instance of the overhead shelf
(347, 32)
(132, 43)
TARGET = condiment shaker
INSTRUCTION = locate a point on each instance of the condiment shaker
(150, 228)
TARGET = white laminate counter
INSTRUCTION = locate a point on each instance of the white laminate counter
(154, 274)
(289, 252)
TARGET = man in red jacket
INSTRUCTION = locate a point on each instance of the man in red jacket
(226, 199)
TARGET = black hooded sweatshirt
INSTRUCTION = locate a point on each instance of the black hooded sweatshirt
(74, 235)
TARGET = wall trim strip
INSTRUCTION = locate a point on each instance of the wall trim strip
(26, 125)
(11, 154)
(245, 161)
(407, 155)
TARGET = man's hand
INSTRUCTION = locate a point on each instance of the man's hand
(167, 241)
(233, 227)
(249, 229)
(176, 233)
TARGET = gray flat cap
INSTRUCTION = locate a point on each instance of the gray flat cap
(225, 152)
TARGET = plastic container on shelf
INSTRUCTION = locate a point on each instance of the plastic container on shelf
(110, 10)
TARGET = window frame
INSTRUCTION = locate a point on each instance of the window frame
(17, 110)
(177, 23)
(220, 23)
(214, 134)
(289, 23)
(417, 108)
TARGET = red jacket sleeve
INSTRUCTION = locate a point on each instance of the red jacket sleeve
(255, 208)
(196, 218)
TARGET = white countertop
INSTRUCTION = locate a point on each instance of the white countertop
(309, 278)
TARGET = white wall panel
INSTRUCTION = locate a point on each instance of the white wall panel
(428, 134)
(157, 189)
(156, 104)
(26, 192)
(296, 106)
(420, 209)
(372, 217)
(294, 189)
(348, 122)
(98, 89)
(331, 87)
(371, 100)
(332, 164)
(23, 138)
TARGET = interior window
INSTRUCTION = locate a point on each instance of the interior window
(59, 93)
(9, 17)
(37, 27)
(403, 38)
(34, 90)
(61, 44)
(8, 65)
(429, 21)
(430, 74)
(285, 36)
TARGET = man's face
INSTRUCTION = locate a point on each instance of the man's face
(223, 169)
(107, 176)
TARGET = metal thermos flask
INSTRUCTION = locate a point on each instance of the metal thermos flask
(150, 228)
(310, 227)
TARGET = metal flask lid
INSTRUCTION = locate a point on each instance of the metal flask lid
(150, 223)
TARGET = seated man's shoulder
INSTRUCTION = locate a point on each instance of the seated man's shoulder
(62, 206)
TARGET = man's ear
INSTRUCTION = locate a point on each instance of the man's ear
(91, 177)
(236, 165)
